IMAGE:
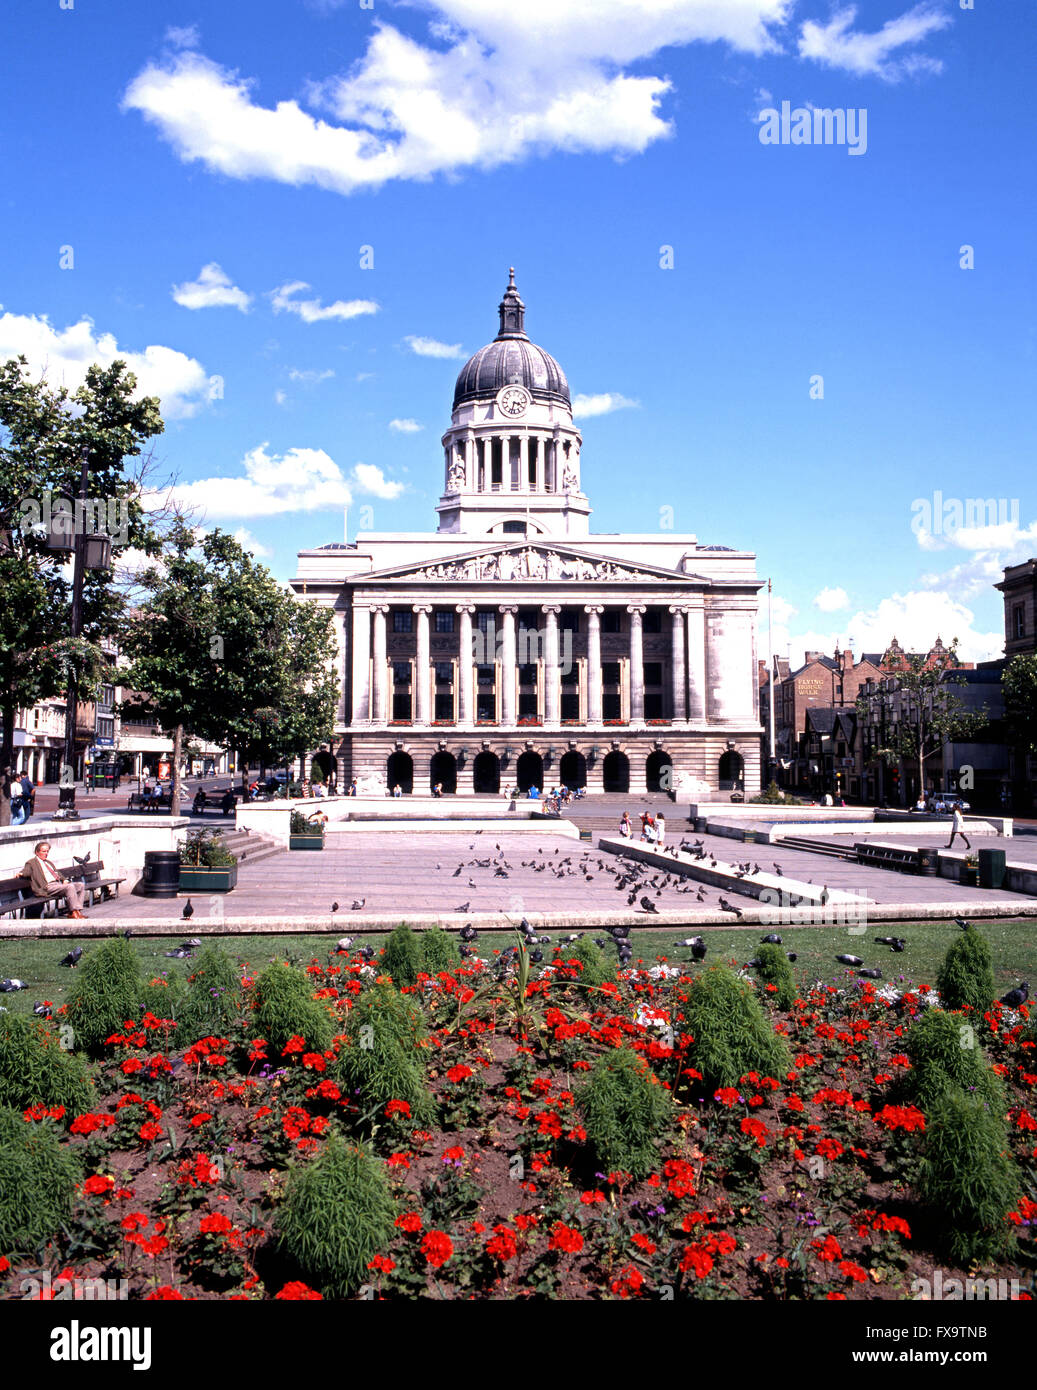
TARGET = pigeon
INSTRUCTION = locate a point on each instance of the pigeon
(824, 895)
(601, 941)
(791, 955)
(127, 934)
(334, 907)
(698, 951)
(850, 960)
(465, 907)
(41, 1010)
(358, 904)
(367, 952)
(188, 911)
(190, 944)
(457, 871)
(730, 907)
(82, 858)
(573, 936)
(648, 905)
(895, 943)
(619, 933)
(468, 933)
(872, 973)
(777, 869)
(72, 959)
(178, 953)
(771, 940)
(687, 941)
(1016, 997)
(752, 964)
(961, 922)
(536, 957)
(344, 943)
(9, 986)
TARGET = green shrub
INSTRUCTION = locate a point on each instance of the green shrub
(38, 1178)
(164, 995)
(286, 1008)
(212, 1001)
(596, 967)
(105, 993)
(967, 1178)
(382, 1060)
(401, 956)
(774, 969)
(732, 1033)
(774, 796)
(624, 1111)
(337, 1213)
(938, 1061)
(965, 980)
(36, 1070)
(438, 951)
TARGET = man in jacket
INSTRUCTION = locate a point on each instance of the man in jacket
(48, 882)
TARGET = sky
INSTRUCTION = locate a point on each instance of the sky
(294, 219)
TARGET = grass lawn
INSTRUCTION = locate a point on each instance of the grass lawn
(1013, 948)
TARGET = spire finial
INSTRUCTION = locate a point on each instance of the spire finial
(511, 277)
(512, 310)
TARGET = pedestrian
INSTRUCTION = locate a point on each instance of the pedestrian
(958, 827)
(625, 828)
(48, 882)
(397, 790)
(660, 830)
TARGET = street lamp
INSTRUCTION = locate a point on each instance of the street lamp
(68, 536)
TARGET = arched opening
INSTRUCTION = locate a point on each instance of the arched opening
(328, 764)
(529, 771)
(400, 772)
(615, 772)
(443, 768)
(573, 770)
(731, 772)
(659, 772)
(486, 774)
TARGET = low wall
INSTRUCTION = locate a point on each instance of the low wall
(272, 819)
(120, 842)
(1019, 878)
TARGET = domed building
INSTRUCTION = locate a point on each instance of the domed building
(513, 647)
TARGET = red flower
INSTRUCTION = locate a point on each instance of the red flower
(757, 1129)
(437, 1247)
(565, 1238)
(131, 1065)
(627, 1283)
(200, 1119)
(98, 1185)
(397, 1107)
(150, 1131)
(854, 1272)
(410, 1222)
(643, 1243)
(454, 1155)
(727, 1096)
(216, 1224)
(460, 1073)
(828, 1249)
(697, 1261)
(829, 1148)
(502, 1245)
(294, 1044)
(164, 1293)
(297, 1290)
(905, 1117)
(381, 1264)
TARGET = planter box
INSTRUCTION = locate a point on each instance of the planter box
(967, 877)
(208, 880)
(305, 841)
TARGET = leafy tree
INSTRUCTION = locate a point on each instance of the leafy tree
(922, 713)
(225, 653)
(1019, 684)
(44, 436)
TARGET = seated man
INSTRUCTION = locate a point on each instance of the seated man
(48, 882)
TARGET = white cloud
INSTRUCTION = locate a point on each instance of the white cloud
(602, 404)
(247, 541)
(405, 426)
(280, 397)
(432, 347)
(831, 600)
(212, 290)
(180, 382)
(285, 299)
(364, 376)
(186, 36)
(300, 480)
(310, 376)
(835, 45)
(503, 82)
(369, 478)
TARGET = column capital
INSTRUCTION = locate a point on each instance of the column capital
(636, 607)
(382, 608)
(464, 608)
(507, 608)
(549, 608)
(421, 608)
(594, 608)
(678, 609)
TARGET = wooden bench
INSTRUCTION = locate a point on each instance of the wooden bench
(137, 802)
(906, 861)
(18, 900)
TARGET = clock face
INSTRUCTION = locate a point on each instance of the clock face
(513, 400)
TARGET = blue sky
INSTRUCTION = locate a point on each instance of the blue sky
(216, 170)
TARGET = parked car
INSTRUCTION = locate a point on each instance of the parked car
(943, 803)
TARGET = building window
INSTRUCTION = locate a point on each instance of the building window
(527, 675)
(654, 705)
(401, 706)
(484, 675)
(401, 673)
(486, 711)
(1019, 621)
(610, 706)
(106, 697)
(402, 621)
(104, 729)
(610, 673)
(486, 621)
(653, 673)
(514, 528)
(571, 675)
(444, 673)
(652, 620)
(527, 704)
(444, 706)
(569, 620)
(444, 620)
(570, 705)
(612, 620)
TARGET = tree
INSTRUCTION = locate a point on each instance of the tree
(44, 435)
(921, 713)
(1019, 682)
(226, 654)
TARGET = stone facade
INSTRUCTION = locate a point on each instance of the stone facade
(513, 647)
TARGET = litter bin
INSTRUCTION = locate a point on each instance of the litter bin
(991, 868)
(161, 873)
(928, 862)
(700, 825)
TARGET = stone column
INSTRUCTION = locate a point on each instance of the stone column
(508, 666)
(680, 701)
(361, 663)
(421, 665)
(637, 664)
(523, 464)
(466, 710)
(378, 664)
(696, 662)
(552, 674)
(594, 612)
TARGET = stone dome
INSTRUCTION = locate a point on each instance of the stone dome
(512, 360)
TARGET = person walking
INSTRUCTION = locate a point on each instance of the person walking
(48, 882)
(957, 827)
(660, 830)
(625, 828)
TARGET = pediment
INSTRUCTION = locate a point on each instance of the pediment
(527, 562)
